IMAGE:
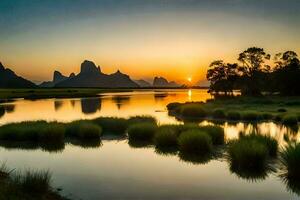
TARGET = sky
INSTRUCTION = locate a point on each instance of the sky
(177, 39)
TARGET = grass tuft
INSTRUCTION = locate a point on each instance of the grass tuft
(216, 133)
(141, 132)
(112, 125)
(192, 111)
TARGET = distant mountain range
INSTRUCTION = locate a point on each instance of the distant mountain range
(89, 76)
(8, 79)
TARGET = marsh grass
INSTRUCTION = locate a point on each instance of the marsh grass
(141, 132)
(290, 120)
(219, 114)
(165, 139)
(192, 111)
(112, 125)
(290, 159)
(83, 129)
(250, 116)
(233, 115)
(141, 119)
(247, 155)
(195, 142)
(216, 133)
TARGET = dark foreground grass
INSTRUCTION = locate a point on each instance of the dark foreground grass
(290, 159)
(28, 185)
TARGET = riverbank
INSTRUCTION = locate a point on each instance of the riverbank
(268, 108)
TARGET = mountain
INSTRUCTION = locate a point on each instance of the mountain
(8, 79)
(91, 76)
(57, 77)
(162, 82)
(143, 83)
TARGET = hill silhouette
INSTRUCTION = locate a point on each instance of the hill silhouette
(91, 76)
(8, 79)
(162, 82)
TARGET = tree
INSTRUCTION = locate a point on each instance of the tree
(253, 69)
(222, 76)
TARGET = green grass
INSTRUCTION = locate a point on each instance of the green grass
(216, 133)
(290, 159)
(166, 138)
(192, 111)
(247, 154)
(83, 129)
(219, 114)
(112, 125)
(141, 132)
(32, 131)
(239, 108)
(270, 142)
(233, 115)
(141, 119)
(195, 142)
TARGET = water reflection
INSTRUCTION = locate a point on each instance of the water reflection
(58, 104)
(121, 100)
(90, 105)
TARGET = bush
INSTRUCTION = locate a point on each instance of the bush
(219, 114)
(249, 154)
(195, 142)
(250, 116)
(192, 111)
(290, 159)
(165, 138)
(141, 132)
(290, 120)
(216, 133)
(112, 125)
(233, 115)
(83, 129)
(54, 132)
(141, 119)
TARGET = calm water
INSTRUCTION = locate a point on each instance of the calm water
(114, 170)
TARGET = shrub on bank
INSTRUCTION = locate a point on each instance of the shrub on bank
(173, 106)
(195, 142)
(250, 116)
(141, 132)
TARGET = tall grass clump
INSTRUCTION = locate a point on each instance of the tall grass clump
(112, 125)
(290, 120)
(141, 132)
(35, 131)
(166, 138)
(141, 119)
(290, 159)
(233, 115)
(192, 111)
(33, 182)
(216, 133)
(173, 106)
(83, 129)
(250, 116)
(247, 154)
(270, 142)
(219, 114)
(195, 142)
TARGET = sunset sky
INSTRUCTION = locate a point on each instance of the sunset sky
(176, 39)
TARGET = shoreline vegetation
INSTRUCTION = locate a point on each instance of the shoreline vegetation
(27, 185)
(191, 142)
(285, 110)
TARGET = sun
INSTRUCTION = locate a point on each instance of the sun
(189, 79)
